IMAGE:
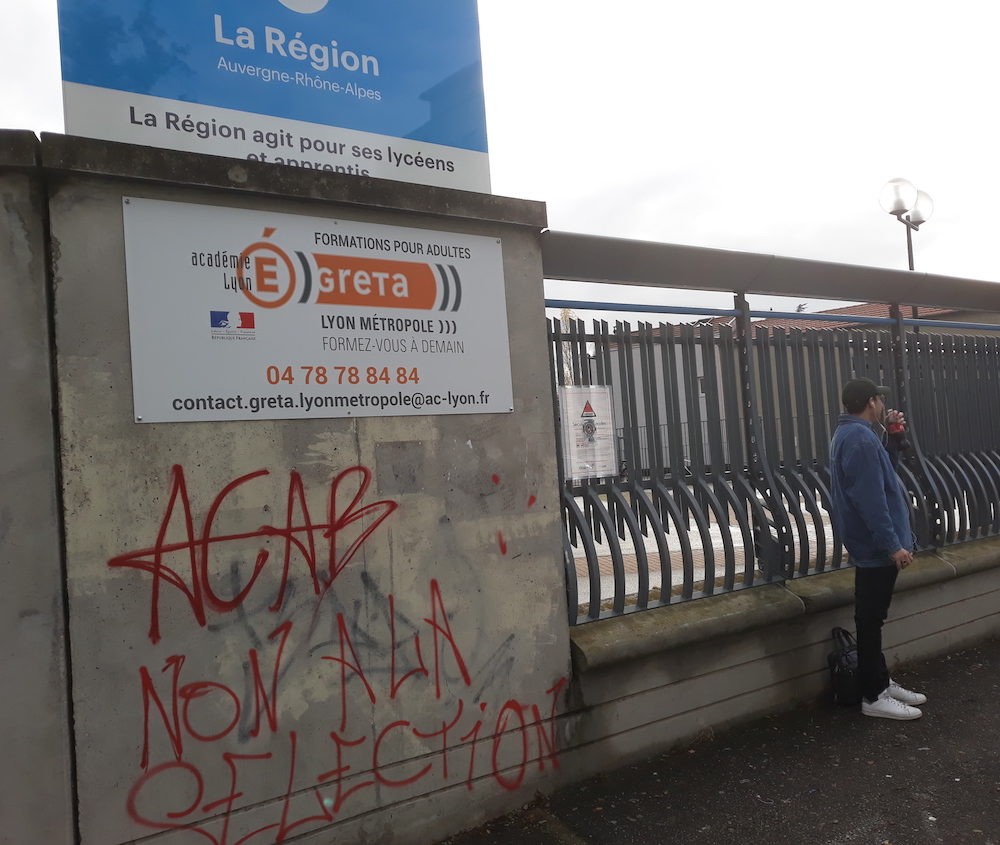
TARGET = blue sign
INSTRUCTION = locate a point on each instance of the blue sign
(396, 69)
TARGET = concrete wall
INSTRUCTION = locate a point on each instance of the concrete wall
(215, 695)
(663, 678)
(383, 706)
(35, 783)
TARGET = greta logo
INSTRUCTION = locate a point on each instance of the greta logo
(270, 277)
(304, 7)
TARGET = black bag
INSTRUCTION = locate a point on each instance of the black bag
(843, 663)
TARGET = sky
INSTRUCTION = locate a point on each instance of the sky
(764, 127)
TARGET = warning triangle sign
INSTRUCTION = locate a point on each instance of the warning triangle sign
(588, 410)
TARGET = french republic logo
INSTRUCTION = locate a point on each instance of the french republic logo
(233, 325)
(270, 278)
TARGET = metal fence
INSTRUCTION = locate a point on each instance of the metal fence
(722, 480)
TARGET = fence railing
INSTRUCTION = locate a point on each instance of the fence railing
(722, 434)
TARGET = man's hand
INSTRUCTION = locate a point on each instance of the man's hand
(902, 558)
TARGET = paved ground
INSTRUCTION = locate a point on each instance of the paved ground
(822, 775)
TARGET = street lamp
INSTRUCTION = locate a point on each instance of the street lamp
(909, 206)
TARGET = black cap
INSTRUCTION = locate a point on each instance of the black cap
(859, 390)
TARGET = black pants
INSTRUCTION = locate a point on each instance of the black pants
(872, 596)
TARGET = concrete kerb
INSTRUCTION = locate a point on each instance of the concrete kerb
(642, 634)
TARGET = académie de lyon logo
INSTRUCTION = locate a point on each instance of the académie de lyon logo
(304, 7)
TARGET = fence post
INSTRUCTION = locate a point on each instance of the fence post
(776, 558)
(898, 333)
(928, 528)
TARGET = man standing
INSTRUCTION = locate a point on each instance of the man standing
(872, 515)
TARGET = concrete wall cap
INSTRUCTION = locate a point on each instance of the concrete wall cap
(71, 154)
(825, 590)
(648, 632)
(833, 589)
(927, 568)
(644, 633)
(18, 148)
(974, 556)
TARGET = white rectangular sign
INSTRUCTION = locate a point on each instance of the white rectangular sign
(588, 432)
(241, 315)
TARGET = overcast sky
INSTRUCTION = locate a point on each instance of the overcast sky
(765, 127)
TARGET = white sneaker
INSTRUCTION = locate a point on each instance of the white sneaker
(887, 707)
(906, 696)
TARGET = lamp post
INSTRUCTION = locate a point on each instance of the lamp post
(909, 206)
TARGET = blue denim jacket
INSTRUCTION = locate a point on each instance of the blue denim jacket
(871, 510)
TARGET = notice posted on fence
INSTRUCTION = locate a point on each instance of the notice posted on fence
(237, 314)
(588, 432)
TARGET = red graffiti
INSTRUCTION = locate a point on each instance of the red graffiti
(337, 774)
(181, 697)
(495, 478)
(516, 736)
(175, 715)
(262, 702)
(414, 714)
(439, 624)
(531, 501)
(502, 721)
(518, 727)
(345, 643)
(395, 685)
(299, 533)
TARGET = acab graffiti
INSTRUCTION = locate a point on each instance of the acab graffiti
(300, 536)
(346, 709)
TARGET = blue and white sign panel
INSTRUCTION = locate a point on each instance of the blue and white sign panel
(385, 88)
